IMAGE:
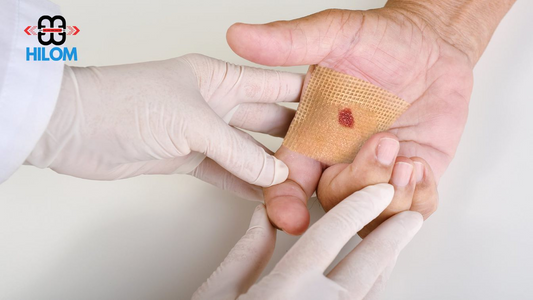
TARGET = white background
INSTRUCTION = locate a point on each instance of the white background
(159, 237)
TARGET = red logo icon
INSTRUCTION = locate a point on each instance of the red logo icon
(71, 30)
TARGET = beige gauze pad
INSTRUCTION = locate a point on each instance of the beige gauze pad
(337, 114)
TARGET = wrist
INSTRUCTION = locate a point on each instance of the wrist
(466, 25)
(63, 122)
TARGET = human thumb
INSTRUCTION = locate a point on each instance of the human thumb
(303, 41)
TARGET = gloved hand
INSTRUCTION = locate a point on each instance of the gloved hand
(164, 117)
(300, 273)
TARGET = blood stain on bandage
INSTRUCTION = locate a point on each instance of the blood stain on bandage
(346, 118)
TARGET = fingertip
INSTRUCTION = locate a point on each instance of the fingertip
(273, 172)
(414, 215)
(382, 190)
(259, 217)
(385, 147)
(266, 44)
(419, 171)
(423, 169)
(426, 195)
(289, 214)
(235, 35)
(232, 32)
(246, 41)
(281, 171)
(411, 220)
(403, 175)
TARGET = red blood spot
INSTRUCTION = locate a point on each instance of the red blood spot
(346, 118)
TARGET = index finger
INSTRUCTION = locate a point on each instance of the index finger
(267, 86)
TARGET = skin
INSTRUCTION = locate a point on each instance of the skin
(419, 194)
(422, 51)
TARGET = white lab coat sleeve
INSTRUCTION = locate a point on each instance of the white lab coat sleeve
(28, 89)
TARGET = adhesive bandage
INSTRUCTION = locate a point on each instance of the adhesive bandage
(337, 114)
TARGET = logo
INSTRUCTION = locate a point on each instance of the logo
(51, 31)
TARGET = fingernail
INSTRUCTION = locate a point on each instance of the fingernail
(387, 151)
(419, 170)
(281, 172)
(401, 174)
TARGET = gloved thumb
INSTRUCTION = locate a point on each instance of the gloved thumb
(303, 41)
(245, 262)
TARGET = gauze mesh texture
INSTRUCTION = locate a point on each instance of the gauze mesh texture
(337, 114)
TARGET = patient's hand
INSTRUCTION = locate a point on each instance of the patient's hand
(390, 48)
(377, 162)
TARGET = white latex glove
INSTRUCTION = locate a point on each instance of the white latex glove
(162, 117)
(300, 273)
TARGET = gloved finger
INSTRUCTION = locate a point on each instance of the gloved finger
(359, 270)
(247, 136)
(267, 86)
(198, 165)
(378, 287)
(245, 262)
(303, 41)
(268, 118)
(319, 246)
(223, 83)
(404, 181)
(211, 172)
(240, 156)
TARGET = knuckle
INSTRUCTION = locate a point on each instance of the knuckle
(429, 207)
(194, 56)
(433, 207)
(332, 11)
